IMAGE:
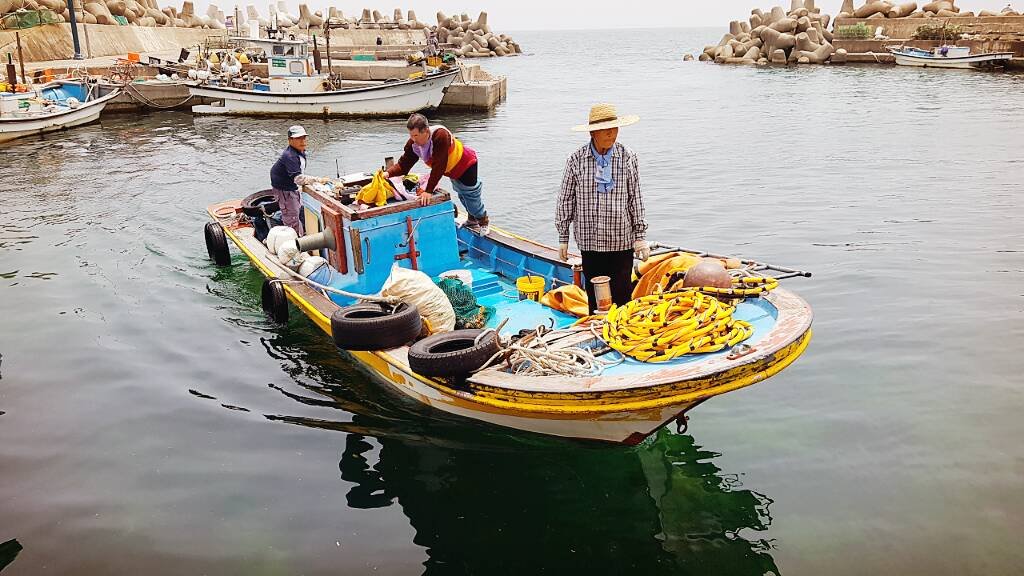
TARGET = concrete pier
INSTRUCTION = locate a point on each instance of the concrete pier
(476, 90)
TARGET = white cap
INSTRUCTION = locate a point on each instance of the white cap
(296, 131)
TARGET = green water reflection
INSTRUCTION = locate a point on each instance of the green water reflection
(8, 552)
(559, 507)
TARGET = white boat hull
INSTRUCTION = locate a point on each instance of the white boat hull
(12, 128)
(391, 99)
(625, 427)
(975, 61)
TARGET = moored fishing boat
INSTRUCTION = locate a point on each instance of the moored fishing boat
(947, 57)
(613, 384)
(52, 106)
(293, 89)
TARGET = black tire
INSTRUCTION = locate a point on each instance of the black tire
(452, 354)
(217, 244)
(254, 204)
(274, 300)
(371, 327)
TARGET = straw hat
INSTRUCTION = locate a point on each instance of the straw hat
(603, 116)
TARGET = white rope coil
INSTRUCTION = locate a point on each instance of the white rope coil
(533, 355)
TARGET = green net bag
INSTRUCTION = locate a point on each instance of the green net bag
(468, 313)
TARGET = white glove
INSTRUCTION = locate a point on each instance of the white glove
(563, 251)
(641, 250)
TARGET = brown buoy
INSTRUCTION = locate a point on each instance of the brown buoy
(707, 272)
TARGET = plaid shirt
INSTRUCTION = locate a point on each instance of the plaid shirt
(603, 221)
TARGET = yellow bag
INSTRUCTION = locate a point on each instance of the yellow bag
(656, 278)
(376, 192)
(571, 299)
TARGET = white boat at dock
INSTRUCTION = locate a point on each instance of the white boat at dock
(947, 57)
(52, 106)
(293, 89)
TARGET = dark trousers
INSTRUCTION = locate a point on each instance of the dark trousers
(616, 265)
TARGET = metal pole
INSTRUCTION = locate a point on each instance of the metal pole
(330, 67)
(74, 29)
(21, 58)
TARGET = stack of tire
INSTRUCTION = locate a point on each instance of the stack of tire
(377, 327)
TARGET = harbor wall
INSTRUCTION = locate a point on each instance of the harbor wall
(54, 42)
(368, 38)
(992, 27)
(878, 47)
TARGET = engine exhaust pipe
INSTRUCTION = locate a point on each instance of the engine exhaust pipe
(318, 241)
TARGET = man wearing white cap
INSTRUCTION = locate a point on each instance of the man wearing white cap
(600, 197)
(287, 175)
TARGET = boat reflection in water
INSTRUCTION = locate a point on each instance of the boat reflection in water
(8, 552)
(526, 507)
(565, 509)
(483, 500)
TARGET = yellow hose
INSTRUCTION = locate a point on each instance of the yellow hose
(743, 287)
(660, 327)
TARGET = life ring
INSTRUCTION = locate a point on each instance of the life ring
(371, 326)
(217, 244)
(452, 354)
(274, 301)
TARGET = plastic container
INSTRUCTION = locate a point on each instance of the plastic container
(530, 287)
(602, 292)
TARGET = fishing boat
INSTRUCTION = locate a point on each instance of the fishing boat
(293, 89)
(948, 57)
(623, 401)
(52, 106)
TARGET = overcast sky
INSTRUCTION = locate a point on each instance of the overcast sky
(576, 14)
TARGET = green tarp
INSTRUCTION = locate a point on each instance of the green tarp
(28, 19)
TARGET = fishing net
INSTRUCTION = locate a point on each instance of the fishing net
(468, 312)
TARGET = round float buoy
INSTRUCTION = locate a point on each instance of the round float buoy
(370, 327)
(453, 354)
(274, 301)
(217, 244)
(707, 272)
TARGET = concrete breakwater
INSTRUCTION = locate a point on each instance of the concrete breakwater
(862, 33)
(776, 36)
(879, 9)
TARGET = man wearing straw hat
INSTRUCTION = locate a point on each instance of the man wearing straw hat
(601, 198)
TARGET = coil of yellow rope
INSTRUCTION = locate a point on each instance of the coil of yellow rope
(661, 327)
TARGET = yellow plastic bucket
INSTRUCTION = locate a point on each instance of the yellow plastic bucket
(530, 287)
